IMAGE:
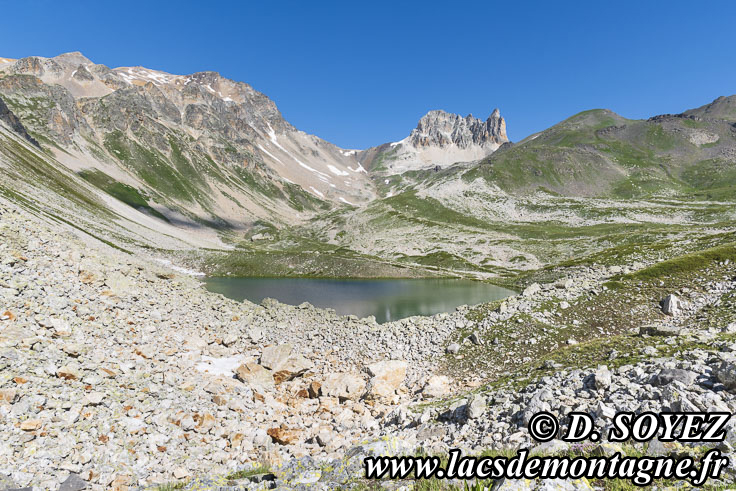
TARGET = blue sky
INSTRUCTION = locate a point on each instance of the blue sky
(362, 73)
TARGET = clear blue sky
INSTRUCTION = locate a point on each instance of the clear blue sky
(362, 73)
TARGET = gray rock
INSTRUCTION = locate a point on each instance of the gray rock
(660, 330)
(475, 339)
(671, 305)
(476, 407)
(669, 375)
(602, 378)
(73, 483)
(532, 290)
(726, 374)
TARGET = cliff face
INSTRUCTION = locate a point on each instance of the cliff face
(10, 119)
(441, 129)
(440, 139)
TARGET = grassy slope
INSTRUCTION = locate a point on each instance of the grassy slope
(598, 153)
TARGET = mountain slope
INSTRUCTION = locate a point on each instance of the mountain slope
(721, 108)
(198, 149)
(146, 159)
(595, 184)
(599, 153)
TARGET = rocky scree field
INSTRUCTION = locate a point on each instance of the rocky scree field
(118, 372)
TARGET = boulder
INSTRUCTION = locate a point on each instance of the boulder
(283, 435)
(669, 375)
(294, 366)
(273, 357)
(31, 425)
(476, 408)
(73, 483)
(343, 386)
(671, 305)
(387, 376)
(475, 339)
(604, 411)
(393, 372)
(69, 372)
(726, 374)
(602, 378)
(453, 349)
(285, 364)
(532, 290)
(436, 386)
(8, 395)
(254, 374)
(660, 330)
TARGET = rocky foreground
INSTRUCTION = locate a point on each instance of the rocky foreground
(117, 372)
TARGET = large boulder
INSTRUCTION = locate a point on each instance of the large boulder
(285, 364)
(387, 376)
(343, 386)
(294, 366)
(532, 290)
(254, 374)
(273, 357)
(660, 330)
(602, 378)
(476, 407)
(726, 374)
(436, 386)
(669, 375)
(671, 305)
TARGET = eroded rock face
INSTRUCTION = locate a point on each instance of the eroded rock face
(440, 129)
(439, 140)
(10, 119)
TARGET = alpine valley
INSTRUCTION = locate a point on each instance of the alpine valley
(119, 370)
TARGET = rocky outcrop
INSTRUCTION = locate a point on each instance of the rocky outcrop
(10, 119)
(439, 140)
(440, 129)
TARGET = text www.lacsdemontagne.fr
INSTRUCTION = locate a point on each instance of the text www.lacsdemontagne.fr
(641, 471)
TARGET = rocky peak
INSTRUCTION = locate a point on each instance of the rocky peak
(74, 59)
(721, 108)
(441, 129)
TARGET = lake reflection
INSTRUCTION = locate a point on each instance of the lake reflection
(387, 300)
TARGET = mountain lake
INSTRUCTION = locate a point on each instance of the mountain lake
(387, 300)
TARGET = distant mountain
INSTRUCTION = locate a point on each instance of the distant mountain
(139, 157)
(440, 139)
(195, 148)
(721, 108)
(599, 153)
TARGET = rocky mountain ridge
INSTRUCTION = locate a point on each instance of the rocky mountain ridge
(439, 140)
(438, 128)
(199, 148)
